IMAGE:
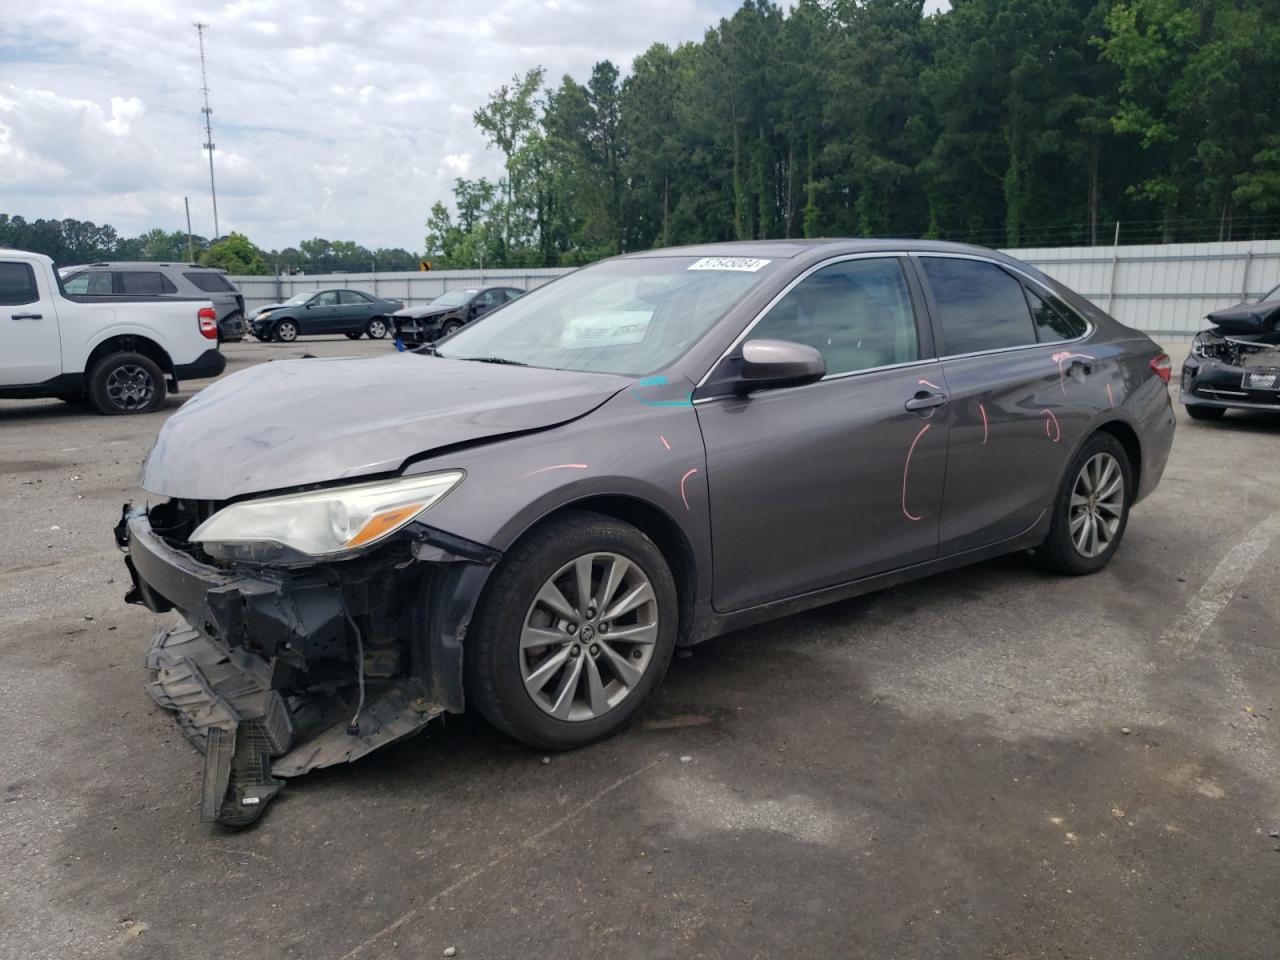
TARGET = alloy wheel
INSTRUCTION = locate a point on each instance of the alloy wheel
(1097, 504)
(286, 331)
(377, 329)
(588, 637)
(130, 387)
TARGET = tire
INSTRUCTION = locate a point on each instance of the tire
(355, 335)
(1102, 455)
(502, 668)
(1197, 412)
(125, 383)
(286, 331)
(377, 328)
(449, 329)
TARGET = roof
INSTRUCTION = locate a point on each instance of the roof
(786, 249)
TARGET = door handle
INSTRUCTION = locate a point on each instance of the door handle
(26, 316)
(925, 401)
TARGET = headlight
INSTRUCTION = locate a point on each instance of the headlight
(1208, 344)
(322, 523)
(262, 315)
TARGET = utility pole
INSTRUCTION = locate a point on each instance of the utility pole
(191, 247)
(208, 126)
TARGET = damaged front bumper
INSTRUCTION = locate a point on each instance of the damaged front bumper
(279, 671)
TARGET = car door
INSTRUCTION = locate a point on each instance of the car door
(485, 301)
(831, 481)
(1015, 408)
(323, 313)
(30, 349)
(356, 309)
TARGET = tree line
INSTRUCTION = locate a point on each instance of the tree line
(70, 242)
(1000, 122)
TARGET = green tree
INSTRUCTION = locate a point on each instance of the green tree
(236, 254)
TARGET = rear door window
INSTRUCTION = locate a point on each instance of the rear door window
(17, 284)
(145, 283)
(352, 297)
(856, 313)
(210, 282)
(980, 306)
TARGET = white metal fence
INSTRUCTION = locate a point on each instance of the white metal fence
(1164, 290)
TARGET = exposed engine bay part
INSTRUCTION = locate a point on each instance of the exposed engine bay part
(1261, 317)
(278, 672)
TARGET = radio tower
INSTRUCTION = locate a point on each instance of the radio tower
(208, 127)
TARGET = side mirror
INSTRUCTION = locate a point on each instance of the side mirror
(309, 305)
(778, 363)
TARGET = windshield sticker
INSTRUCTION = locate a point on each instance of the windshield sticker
(740, 264)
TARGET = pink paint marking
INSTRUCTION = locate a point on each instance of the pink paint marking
(1111, 397)
(983, 411)
(906, 468)
(683, 497)
(558, 466)
(926, 383)
(1057, 430)
(664, 441)
(1061, 357)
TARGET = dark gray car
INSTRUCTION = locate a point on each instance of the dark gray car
(643, 454)
(320, 312)
(145, 278)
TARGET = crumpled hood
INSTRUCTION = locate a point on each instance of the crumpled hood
(289, 423)
(1248, 317)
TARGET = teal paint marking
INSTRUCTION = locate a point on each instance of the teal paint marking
(657, 382)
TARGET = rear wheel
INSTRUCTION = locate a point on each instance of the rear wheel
(123, 383)
(1091, 509)
(574, 634)
(1197, 412)
(377, 328)
(286, 331)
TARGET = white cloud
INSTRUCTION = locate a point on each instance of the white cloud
(347, 121)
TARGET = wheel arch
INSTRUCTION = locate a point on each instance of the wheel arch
(129, 343)
(658, 526)
(1128, 438)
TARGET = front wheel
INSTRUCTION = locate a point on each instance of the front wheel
(1091, 509)
(377, 328)
(574, 633)
(286, 331)
(450, 328)
(355, 335)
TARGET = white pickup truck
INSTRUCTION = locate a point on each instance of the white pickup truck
(117, 352)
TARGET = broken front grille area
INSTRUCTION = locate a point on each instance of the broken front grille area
(175, 520)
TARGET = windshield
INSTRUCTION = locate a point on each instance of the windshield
(1273, 295)
(627, 316)
(298, 299)
(454, 298)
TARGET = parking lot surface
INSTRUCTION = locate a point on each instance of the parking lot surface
(995, 762)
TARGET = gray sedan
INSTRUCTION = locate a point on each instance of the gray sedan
(643, 454)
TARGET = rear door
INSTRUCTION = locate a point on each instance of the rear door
(30, 349)
(356, 311)
(820, 484)
(1019, 398)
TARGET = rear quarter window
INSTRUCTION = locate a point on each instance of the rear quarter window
(17, 284)
(210, 282)
(1054, 320)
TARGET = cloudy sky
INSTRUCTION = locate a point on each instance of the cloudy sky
(337, 118)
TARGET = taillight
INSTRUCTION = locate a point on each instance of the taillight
(1162, 366)
(208, 320)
